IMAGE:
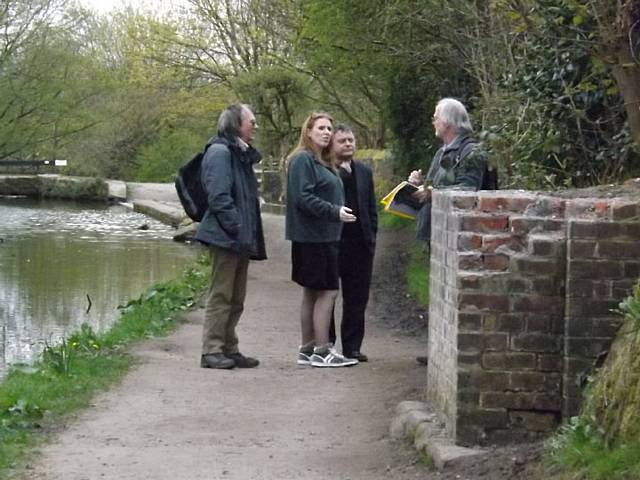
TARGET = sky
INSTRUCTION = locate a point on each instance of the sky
(105, 6)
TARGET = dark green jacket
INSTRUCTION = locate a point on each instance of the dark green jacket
(314, 197)
(460, 166)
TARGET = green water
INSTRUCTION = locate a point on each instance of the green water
(56, 257)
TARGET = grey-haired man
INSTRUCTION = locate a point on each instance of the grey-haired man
(460, 163)
(232, 228)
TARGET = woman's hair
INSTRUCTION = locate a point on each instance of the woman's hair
(305, 142)
(453, 113)
(230, 120)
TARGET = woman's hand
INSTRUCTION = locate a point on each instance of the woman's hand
(416, 178)
(346, 215)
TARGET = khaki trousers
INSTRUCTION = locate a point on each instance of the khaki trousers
(225, 301)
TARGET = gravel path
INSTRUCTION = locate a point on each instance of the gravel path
(170, 419)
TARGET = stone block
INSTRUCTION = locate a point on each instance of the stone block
(614, 249)
(537, 304)
(483, 301)
(469, 322)
(534, 382)
(595, 269)
(538, 266)
(534, 421)
(484, 418)
(478, 379)
(586, 347)
(550, 363)
(410, 405)
(508, 361)
(582, 248)
(536, 342)
(447, 455)
(521, 401)
(490, 243)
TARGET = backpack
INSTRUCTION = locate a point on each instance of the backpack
(490, 176)
(191, 192)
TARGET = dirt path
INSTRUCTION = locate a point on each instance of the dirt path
(170, 419)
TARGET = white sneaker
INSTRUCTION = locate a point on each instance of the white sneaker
(331, 359)
(304, 359)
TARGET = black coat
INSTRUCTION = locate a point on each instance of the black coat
(367, 205)
(232, 220)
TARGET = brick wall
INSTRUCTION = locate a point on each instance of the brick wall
(522, 285)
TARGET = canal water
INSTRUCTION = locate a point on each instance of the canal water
(55, 256)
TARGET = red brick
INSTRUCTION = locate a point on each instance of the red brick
(510, 204)
(624, 210)
(465, 203)
(467, 241)
(470, 261)
(484, 224)
(525, 225)
(601, 207)
(491, 242)
(495, 262)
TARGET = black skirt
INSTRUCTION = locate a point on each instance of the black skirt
(315, 265)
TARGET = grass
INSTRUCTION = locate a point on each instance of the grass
(417, 272)
(603, 442)
(37, 399)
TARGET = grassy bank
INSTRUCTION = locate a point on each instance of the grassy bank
(417, 272)
(35, 400)
(603, 443)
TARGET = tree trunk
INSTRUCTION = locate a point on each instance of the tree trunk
(627, 75)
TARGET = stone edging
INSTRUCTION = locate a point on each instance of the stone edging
(416, 422)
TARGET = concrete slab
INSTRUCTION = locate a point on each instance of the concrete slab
(117, 189)
(169, 213)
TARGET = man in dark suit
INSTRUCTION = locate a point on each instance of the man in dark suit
(358, 242)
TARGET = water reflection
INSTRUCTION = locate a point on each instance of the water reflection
(54, 255)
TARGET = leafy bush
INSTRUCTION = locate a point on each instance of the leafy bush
(159, 161)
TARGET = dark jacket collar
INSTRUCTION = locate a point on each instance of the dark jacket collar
(250, 155)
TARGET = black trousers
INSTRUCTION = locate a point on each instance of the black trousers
(356, 265)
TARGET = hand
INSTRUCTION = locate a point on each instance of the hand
(416, 177)
(346, 215)
(422, 194)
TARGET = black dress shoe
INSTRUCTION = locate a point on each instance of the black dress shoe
(216, 360)
(422, 360)
(361, 357)
(243, 362)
